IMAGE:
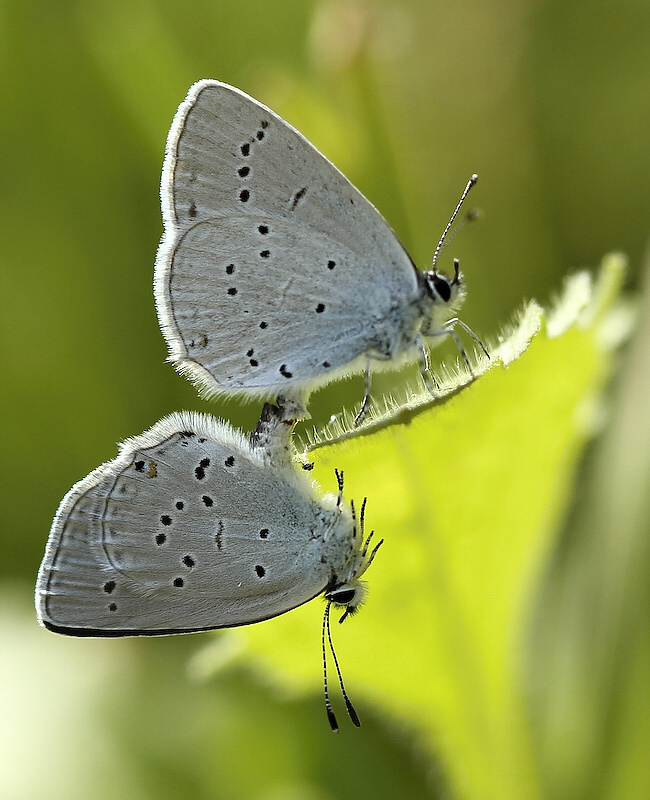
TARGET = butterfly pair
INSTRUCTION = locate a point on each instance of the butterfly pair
(274, 276)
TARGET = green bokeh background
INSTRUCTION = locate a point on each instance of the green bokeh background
(550, 103)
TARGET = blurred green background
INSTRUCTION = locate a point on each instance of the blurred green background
(549, 103)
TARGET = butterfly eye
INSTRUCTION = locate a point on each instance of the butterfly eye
(347, 597)
(439, 285)
(343, 596)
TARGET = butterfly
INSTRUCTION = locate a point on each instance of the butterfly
(195, 526)
(274, 274)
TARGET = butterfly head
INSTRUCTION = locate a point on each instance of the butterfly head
(443, 290)
(349, 596)
(347, 590)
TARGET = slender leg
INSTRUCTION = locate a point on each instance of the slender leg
(448, 330)
(455, 321)
(463, 353)
(428, 377)
(365, 406)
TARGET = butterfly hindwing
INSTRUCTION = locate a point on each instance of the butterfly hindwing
(189, 528)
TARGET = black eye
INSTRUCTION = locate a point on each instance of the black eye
(342, 597)
(441, 285)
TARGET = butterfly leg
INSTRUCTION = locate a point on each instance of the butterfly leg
(448, 330)
(468, 330)
(428, 377)
(365, 406)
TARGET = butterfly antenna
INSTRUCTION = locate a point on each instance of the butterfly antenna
(374, 551)
(470, 184)
(367, 561)
(331, 717)
(348, 703)
(471, 216)
(339, 480)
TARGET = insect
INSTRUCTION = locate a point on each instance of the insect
(275, 274)
(195, 526)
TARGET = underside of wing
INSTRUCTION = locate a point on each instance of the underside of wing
(278, 212)
(250, 310)
(180, 533)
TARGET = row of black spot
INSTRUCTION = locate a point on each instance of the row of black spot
(199, 471)
(178, 582)
(110, 586)
(252, 361)
(245, 150)
(161, 538)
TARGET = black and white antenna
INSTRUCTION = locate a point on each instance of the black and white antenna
(470, 185)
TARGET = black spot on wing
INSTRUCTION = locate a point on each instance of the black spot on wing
(298, 196)
(199, 471)
(201, 342)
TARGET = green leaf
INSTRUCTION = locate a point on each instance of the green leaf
(468, 498)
